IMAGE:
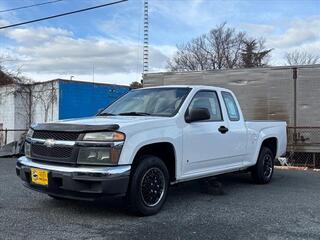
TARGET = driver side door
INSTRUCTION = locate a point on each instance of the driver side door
(204, 145)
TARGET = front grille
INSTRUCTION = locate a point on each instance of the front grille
(63, 154)
(54, 154)
(64, 136)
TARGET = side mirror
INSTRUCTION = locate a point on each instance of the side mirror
(99, 111)
(198, 114)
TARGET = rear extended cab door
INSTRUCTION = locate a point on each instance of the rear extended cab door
(213, 146)
(238, 133)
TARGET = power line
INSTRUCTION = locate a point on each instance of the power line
(63, 14)
(29, 6)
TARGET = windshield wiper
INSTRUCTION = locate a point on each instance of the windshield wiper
(135, 114)
(106, 114)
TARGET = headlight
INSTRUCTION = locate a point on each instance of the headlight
(104, 136)
(94, 155)
(99, 155)
(30, 133)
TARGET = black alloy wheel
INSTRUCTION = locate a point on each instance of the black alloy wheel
(148, 185)
(152, 187)
(263, 170)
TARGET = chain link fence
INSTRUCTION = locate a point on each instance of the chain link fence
(11, 142)
(303, 146)
(9, 135)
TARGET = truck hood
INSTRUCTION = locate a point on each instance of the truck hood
(106, 120)
(98, 123)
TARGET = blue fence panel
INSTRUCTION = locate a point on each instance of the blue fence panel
(82, 99)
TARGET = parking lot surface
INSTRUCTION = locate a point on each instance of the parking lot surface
(288, 208)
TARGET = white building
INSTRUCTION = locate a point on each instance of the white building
(22, 105)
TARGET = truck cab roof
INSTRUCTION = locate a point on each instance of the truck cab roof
(196, 87)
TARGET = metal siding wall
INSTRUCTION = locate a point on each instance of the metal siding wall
(262, 93)
(308, 97)
(77, 99)
(268, 93)
(154, 79)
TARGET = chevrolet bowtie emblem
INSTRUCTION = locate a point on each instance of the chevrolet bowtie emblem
(49, 143)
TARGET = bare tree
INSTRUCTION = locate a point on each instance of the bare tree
(5, 79)
(45, 95)
(225, 46)
(6, 76)
(193, 56)
(24, 92)
(221, 48)
(218, 49)
(297, 57)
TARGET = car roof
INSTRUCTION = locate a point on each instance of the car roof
(196, 87)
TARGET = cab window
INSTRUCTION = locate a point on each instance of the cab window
(209, 100)
(231, 106)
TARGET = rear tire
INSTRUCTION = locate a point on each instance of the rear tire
(148, 186)
(263, 170)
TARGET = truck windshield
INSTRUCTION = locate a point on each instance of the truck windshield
(149, 102)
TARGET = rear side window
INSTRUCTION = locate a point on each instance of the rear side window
(231, 106)
(209, 100)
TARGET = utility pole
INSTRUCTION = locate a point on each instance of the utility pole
(145, 40)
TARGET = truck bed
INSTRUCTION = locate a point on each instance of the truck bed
(259, 125)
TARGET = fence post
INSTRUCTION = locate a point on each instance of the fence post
(5, 136)
(294, 77)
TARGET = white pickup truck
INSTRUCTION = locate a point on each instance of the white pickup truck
(145, 141)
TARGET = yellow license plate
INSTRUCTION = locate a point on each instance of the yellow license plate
(39, 176)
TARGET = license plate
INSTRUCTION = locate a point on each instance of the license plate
(39, 176)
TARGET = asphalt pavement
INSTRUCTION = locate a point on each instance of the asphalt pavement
(287, 208)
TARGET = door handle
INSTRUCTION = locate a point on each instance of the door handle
(223, 129)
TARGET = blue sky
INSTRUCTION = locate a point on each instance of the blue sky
(110, 39)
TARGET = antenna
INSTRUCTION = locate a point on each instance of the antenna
(146, 39)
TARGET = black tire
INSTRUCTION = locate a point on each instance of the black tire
(148, 186)
(263, 170)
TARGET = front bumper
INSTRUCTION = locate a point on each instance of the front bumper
(79, 182)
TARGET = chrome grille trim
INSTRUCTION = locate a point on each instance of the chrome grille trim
(58, 143)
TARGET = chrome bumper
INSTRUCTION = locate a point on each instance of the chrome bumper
(103, 171)
(81, 182)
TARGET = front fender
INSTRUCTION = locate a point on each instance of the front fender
(135, 141)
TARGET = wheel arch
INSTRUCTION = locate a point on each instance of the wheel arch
(271, 143)
(164, 150)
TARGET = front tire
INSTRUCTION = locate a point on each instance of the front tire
(263, 170)
(148, 186)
